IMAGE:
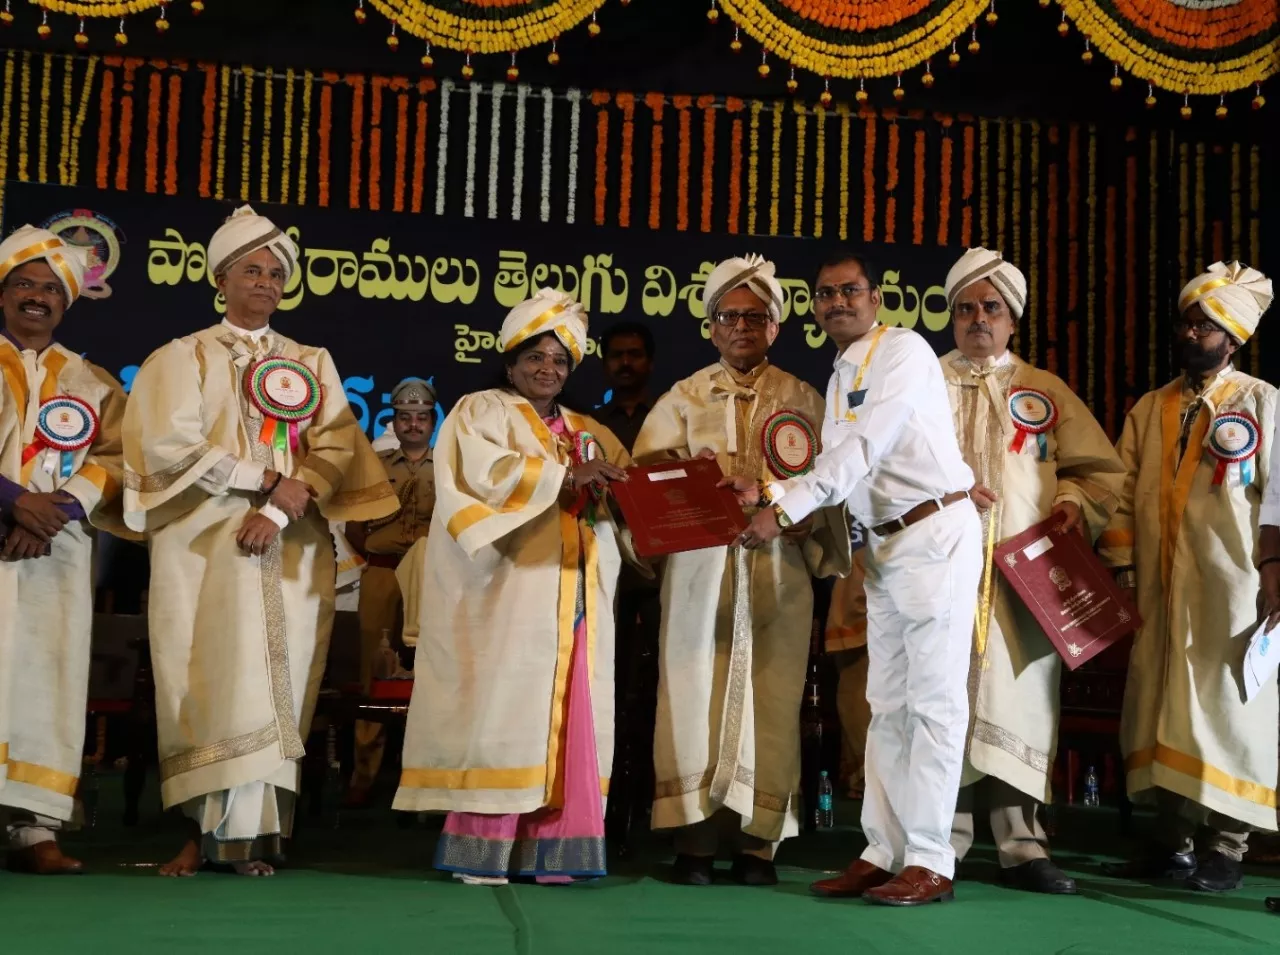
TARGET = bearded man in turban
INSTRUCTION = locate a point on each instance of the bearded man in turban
(735, 629)
(59, 478)
(1197, 455)
(239, 448)
(1030, 440)
(511, 723)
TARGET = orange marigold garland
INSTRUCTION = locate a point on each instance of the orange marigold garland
(891, 184)
(682, 104)
(126, 125)
(208, 101)
(966, 188)
(1015, 197)
(984, 182)
(917, 206)
(325, 135)
(869, 180)
(402, 148)
(375, 142)
(708, 106)
(171, 135)
(106, 102)
(425, 86)
(627, 103)
(733, 107)
(1002, 183)
(600, 99)
(655, 102)
(356, 82)
(154, 91)
(944, 187)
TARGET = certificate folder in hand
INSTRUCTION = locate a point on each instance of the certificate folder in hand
(676, 506)
(1071, 594)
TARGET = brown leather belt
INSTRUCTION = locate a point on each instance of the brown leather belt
(390, 561)
(917, 514)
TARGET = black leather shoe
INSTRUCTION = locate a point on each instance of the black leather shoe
(692, 870)
(1216, 873)
(1039, 875)
(1153, 865)
(1272, 903)
(752, 870)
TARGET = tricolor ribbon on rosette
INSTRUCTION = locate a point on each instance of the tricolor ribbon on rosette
(287, 393)
(790, 445)
(1233, 439)
(65, 425)
(1034, 414)
(584, 448)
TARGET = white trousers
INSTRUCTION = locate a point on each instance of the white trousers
(922, 591)
(26, 829)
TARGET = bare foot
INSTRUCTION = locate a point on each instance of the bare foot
(252, 868)
(185, 863)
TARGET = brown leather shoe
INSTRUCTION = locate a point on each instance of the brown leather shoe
(44, 858)
(852, 882)
(915, 885)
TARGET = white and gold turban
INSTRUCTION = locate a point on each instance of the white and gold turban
(548, 311)
(754, 272)
(1232, 295)
(244, 233)
(978, 264)
(30, 244)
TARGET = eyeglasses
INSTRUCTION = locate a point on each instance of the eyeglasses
(1201, 328)
(829, 293)
(753, 319)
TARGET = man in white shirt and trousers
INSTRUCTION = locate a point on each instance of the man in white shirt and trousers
(889, 453)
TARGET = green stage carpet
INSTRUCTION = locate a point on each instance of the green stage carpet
(367, 887)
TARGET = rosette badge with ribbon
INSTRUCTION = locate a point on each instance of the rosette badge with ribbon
(64, 425)
(287, 393)
(1233, 441)
(790, 445)
(1034, 414)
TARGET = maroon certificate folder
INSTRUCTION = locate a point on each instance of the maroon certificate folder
(676, 506)
(1067, 589)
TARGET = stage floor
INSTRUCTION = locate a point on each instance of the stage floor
(367, 887)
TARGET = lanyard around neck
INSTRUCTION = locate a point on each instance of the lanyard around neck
(849, 413)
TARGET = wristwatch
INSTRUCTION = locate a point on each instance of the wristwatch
(783, 521)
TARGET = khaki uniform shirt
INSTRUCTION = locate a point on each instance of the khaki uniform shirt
(415, 485)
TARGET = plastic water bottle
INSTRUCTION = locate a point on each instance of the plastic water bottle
(826, 809)
(1091, 788)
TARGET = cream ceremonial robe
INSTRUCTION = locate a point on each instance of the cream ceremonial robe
(497, 603)
(1186, 727)
(735, 623)
(238, 642)
(1014, 672)
(44, 681)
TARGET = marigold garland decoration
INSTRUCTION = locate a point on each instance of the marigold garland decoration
(775, 172)
(600, 100)
(24, 117)
(64, 157)
(286, 159)
(891, 183)
(917, 205)
(42, 162)
(733, 107)
(753, 166)
(325, 134)
(1189, 46)
(655, 102)
(246, 156)
(802, 121)
(487, 26)
(869, 181)
(402, 148)
(420, 145)
(627, 103)
(268, 96)
(845, 123)
(126, 124)
(208, 103)
(304, 137)
(356, 82)
(886, 36)
(154, 92)
(171, 135)
(708, 107)
(682, 104)
(819, 170)
(5, 112)
(105, 105)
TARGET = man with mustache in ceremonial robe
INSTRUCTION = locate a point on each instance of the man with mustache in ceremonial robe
(1030, 440)
(239, 448)
(1197, 457)
(59, 479)
(735, 626)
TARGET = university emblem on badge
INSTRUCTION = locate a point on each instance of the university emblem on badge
(98, 235)
(64, 425)
(790, 444)
(1233, 441)
(1034, 414)
(287, 394)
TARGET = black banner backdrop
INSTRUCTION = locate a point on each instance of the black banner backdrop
(391, 299)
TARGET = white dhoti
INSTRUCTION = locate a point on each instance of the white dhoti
(922, 592)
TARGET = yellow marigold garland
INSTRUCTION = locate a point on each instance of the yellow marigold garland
(304, 137)
(224, 99)
(24, 117)
(1120, 43)
(495, 31)
(267, 94)
(753, 166)
(82, 111)
(845, 123)
(775, 174)
(802, 122)
(884, 51)
(64, 153)
(42, 157)
(6, 110)
(287, 144)
(246, 157)
(819, 170)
